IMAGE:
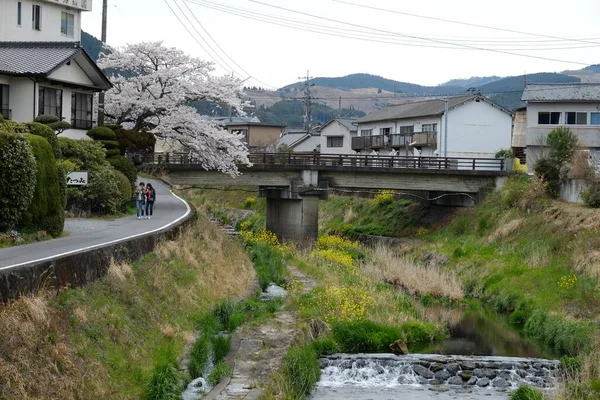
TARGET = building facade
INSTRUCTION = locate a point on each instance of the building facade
(336, 136)
(574, 105)
(44, 70)
(477, 128)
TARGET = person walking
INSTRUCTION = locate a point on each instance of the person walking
(150, 199)
(140, 197)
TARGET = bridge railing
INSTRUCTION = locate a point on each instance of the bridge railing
(347, 160)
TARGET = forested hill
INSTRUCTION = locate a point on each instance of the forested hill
(91, 44)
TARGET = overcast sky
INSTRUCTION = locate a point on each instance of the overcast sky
(278, 55)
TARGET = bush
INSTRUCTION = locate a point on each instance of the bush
(135, 142)
(102, 195)
(45, 211)
(123, 164)
(221, 370)
(365, 336)
(47, 133)
(301, 371)
(221, 346)
(504, 153)
(17, 179)
(101, 133)
(563, 144)
(46, 119)
(591, 195)
(549, 171)
(526, 393)
(199, 357)
(125, 188)
(85, 154)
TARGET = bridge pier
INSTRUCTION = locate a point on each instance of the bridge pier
(293, 219)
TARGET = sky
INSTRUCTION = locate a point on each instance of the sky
(272, 56)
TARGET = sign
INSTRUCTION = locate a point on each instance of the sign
(85, 5)
(78, 178)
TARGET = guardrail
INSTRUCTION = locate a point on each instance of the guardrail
(347, 160)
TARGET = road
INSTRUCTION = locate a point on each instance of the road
(86, 234)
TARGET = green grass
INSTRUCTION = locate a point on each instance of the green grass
(221, 370)
(165, 382)
(300, 371)
(199, 356)
(269, 264)
(221, 345)
(526, 393)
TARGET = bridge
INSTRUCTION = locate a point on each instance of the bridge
(293, 182)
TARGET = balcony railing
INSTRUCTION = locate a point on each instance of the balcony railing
(82, 124)
(85, 5)
(396, 141)
(6, 113)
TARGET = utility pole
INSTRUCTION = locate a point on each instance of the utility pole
(340, 107)
(307, 101)
(446, 128)
(103, 39)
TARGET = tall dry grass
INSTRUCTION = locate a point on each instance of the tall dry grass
(387, 266)
(98, 342)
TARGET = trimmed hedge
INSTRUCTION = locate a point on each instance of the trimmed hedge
(46, 119)
(85, 154)
(124, 187)
(101, 133)
(47, 133)
(46, 210)
(17, 178)
(125, 166)
(135, 142)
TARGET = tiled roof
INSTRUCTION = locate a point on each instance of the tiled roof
(412, 110)
(347, 122)
(562, 92)
(35, 58)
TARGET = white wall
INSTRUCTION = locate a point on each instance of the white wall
(21, 99)
(71, 73)
(337, 129)
(395, 126)
(308, 145)
(477, 129)
(50, 22)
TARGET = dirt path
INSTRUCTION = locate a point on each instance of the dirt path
(257, 351)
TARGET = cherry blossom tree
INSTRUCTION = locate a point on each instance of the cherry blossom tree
(153, 88)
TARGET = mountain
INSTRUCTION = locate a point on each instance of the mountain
(473, 81)
(91, 44)
(366, 81)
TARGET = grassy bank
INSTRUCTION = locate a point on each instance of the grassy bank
(534, 260)
(121, 337)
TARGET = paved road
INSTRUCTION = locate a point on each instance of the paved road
(86, 234)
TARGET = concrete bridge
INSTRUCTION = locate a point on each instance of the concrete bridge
(293, 183)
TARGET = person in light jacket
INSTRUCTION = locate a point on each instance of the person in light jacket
(140, 197)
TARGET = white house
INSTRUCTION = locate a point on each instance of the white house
(477, 127)
(336, 136)
(43, 67)
(575, 105)
(299, 141)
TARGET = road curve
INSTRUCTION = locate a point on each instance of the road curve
(169, 209)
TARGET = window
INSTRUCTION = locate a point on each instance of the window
(50, 102)
(243, 132)
(4, 110)
(429, 128)
(36, 18)
(385, 131)
(366, 132)
(407, 130)
(335, 141)
(67, 24)
(81, 110)
(548, 118)
(576, 118)
(595, 118)
(19, 13)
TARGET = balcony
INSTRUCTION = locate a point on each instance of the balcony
(83, 5)
(368, 142)
(424, 139)
(6, 113)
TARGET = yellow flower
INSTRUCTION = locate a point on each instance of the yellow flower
(384, 197)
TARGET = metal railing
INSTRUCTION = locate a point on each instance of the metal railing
(428, 139)
(6, 113)
(346, 160)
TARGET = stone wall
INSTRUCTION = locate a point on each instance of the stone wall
(570, 191)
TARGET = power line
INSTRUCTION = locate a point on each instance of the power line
(420, 38)
(220, 48)
(375, 37)
(464, 23)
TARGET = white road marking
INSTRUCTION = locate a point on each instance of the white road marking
(55, 256)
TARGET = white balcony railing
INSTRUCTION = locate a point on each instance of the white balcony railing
(84, 5)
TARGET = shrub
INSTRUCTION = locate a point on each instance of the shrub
(550, 173)
(526, 393)
(591, 195)
(123, 164)
(384, 197)
(102, 194)
(221, 346)
(47, 133)
(301, 371)
(365, 336)
(504, 153)
(563, 144)
(135, 142)
(60, 127)
(46, 119)
(17, 179)
(199, 357)
(85, 154)
(125, 188)
(221, 370)
(46, 210)
(101, 133)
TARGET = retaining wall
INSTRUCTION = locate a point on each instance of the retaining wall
(81, 268)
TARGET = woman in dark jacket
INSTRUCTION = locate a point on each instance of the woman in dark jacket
(150, 199)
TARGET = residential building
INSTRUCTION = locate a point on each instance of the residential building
(574, 105)
(43, 67)
(519, 134)
(299, 141)
(477, 127)
(336, 136)
(257, 135)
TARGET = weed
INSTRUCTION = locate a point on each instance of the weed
(199, 357)
(300, 371)
(526, 393)
(365, 336)
(165, 383)
(563, 336)
(223, 312)
(221, 345)
(221, 370)
(325, 346)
